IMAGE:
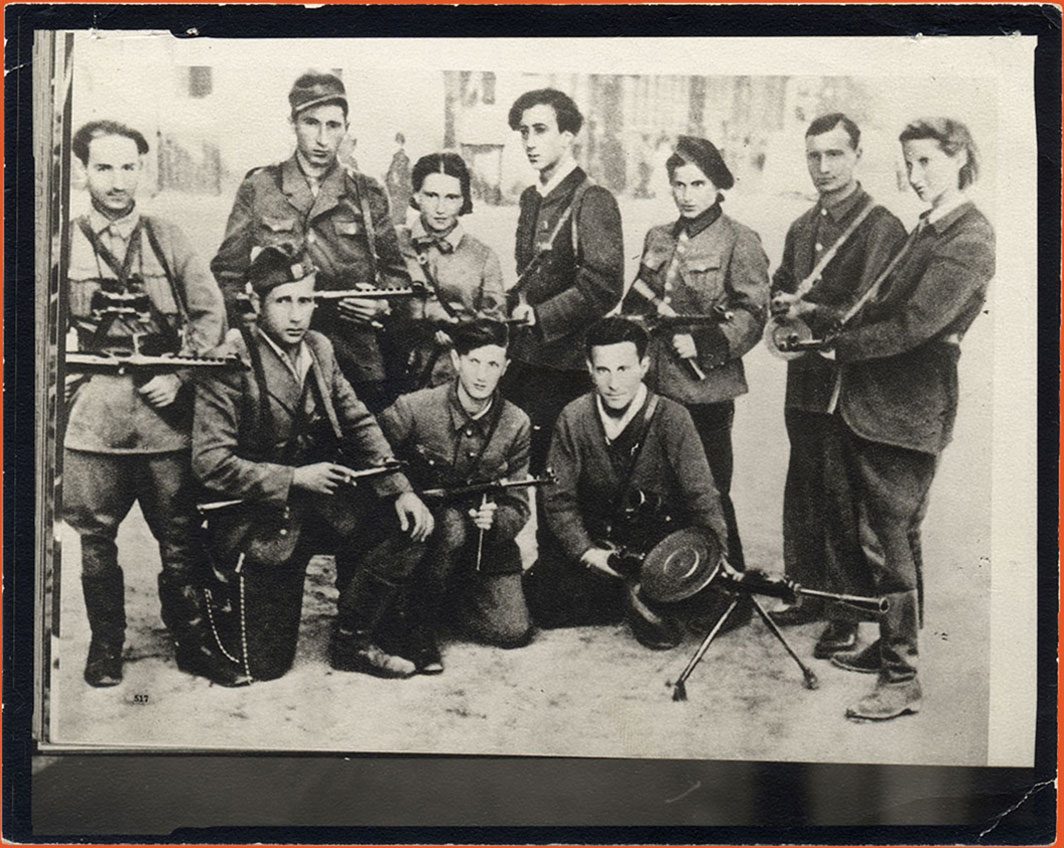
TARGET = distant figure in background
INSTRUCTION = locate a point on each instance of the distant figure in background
(827, 544)
(898, 394)
(570, 255)
(341, 218)
(397, 181)
(127, 440)
(462, 274)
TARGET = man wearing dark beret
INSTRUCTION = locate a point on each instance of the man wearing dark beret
(339, 216)
(281, 439)
(704, 263)
(455, 434)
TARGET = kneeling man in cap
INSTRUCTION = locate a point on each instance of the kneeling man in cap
(617, 446)
(271, 439)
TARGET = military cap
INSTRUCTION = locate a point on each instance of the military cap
(314, 89)
(703, 153)
(274, 266)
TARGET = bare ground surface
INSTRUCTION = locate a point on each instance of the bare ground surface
(585, 691)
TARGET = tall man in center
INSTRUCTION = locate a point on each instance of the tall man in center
(341, 218)
(570, 258)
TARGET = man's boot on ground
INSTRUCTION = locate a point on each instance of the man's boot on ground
(423, 617)
(196, 648)
(897, 691)
(865, 661)
(838, 636)
(353, 647)
(105, 606)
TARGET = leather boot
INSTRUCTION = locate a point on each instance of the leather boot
(837, 636)
(106, 609)
(865, 661)
(196, 650)
(423, 616)
(897, 691)
(353, 648)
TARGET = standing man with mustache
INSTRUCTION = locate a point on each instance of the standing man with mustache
(134, 281)
(570, 255)
(341, 218)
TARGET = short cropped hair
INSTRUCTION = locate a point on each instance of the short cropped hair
(450, 164)
(828, 122)
(100, 129)
(615, 330)
(565, 109)
(480, 332)
(952, 137)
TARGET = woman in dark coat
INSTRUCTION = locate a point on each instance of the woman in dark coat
(898, 390)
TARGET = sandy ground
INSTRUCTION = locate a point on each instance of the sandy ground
(582, 691)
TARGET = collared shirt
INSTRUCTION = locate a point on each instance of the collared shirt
(563, 169)
(419, 233)
(933, 216)
(313, 180)
(114, 234)
(691, 227)
(615, 426)
(300, 365)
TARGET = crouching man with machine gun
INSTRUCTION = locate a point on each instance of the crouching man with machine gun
(268, 439)
(616, 451)
(137, 295)
(468, 448)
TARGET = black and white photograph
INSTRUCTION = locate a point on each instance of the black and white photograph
(629, 398)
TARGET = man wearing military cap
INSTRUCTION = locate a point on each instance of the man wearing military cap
(704, 263)
(339, 216)
(281, 439)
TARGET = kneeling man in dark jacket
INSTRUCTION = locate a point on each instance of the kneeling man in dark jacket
(282, 439)
(618, 445)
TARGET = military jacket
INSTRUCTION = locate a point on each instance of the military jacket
(572, 288)
(899, 358)
(275, 206)
(445, 446)
(811, 377)
(722, 266)
(236, 453)
(107, 412)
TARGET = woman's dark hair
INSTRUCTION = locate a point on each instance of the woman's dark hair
(450, 164)
(952, 137)
(615, 330)
(677, 161)
(98, 129)
(826, 123)
(480, 332)
(565, 109)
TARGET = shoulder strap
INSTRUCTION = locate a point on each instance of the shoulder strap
(324, 395)
(362, 193)
(810, 280)
(578, 199)
(265, 413)
(153, 242)
(637, 449)
(119, 269)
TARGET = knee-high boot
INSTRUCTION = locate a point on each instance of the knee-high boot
(106, 609)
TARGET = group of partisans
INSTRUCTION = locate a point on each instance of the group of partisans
(472, 383)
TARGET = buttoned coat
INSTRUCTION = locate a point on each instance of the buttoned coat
(571, 289)
(274, 206)
(235, 456)
(899, 361)
(811, 377)
(107, 413)
(723, 266)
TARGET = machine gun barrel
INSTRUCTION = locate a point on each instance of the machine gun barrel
(679, 322)
(353, 475)
(121, 363)
(758, 583)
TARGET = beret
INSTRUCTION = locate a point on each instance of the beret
(703, 153)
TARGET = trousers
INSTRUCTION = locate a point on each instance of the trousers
(713, 422)
(542, 393)
(828, 542)
(99, 490)
(894, 484)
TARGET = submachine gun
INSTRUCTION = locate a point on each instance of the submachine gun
(487, 490)
(674, 565)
